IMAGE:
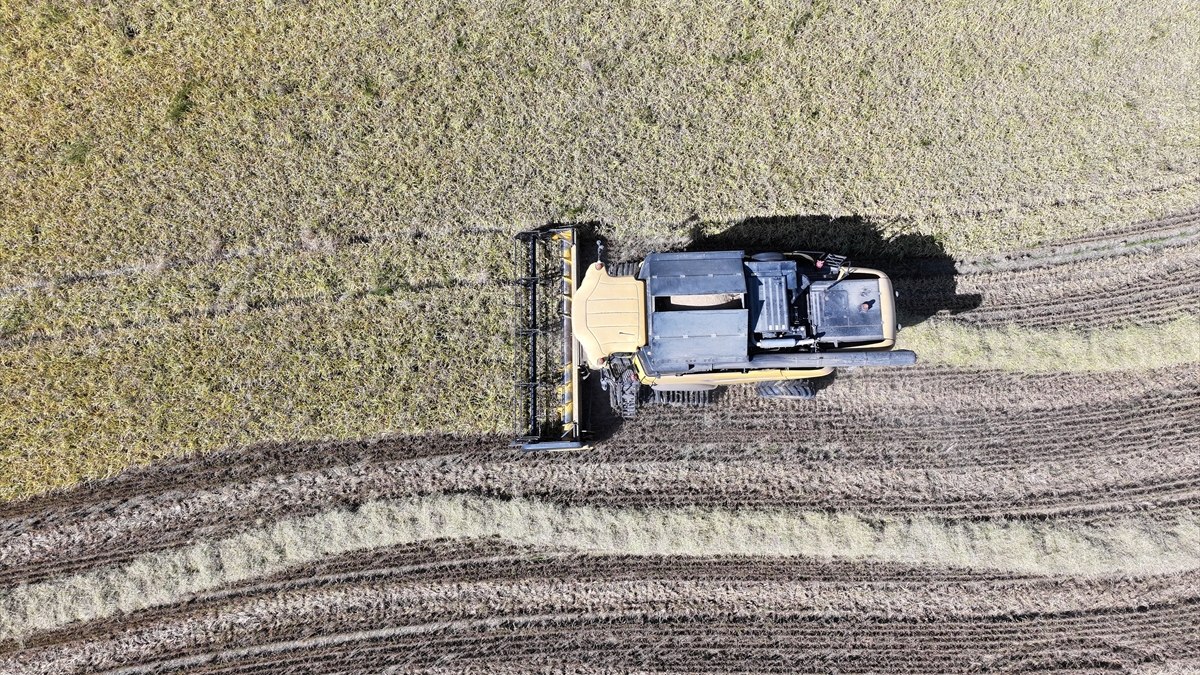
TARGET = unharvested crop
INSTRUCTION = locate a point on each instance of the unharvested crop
(1031, 350)
(404, 334)
(94, 406)
(228, 225)
(988, 126)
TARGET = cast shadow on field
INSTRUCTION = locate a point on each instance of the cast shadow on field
(921, 271)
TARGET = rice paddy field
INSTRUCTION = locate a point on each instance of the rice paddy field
(257, 368)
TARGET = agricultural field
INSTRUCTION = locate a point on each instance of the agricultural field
(257, 368)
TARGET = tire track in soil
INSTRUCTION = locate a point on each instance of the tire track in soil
(1142, 273)
(1145, 232)
(710, 644)
(1137, 288)
(1182, 227)
(959, 444)
(174, 502)
(927, 417)
(629, 610)
(449, 561)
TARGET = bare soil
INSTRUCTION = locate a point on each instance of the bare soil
(974, 445)
(476, 605)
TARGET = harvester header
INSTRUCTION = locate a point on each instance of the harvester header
(550, 422)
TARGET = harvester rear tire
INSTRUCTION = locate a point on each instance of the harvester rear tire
(787, 390)
(767, 257)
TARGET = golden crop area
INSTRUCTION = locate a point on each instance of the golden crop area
(226, 223)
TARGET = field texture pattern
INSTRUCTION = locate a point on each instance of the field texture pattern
(257, 286)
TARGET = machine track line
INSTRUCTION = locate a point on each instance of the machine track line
(170, 503)
(977, 427)
(950, 419)
(102, 275)
(484, 561)
(617, 622)
(1171, 231)
(1142, 273)
(1140, 288)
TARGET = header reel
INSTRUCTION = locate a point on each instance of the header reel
(552, 406)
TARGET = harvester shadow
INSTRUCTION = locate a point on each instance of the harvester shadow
(922, 272)
(603, 422)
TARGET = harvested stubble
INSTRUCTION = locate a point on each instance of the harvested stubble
(923, 417)
(472, 602)
(967, 444)
(1124, 546)
(367, 610)
(1142, 288)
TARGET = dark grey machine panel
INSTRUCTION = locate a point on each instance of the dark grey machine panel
(845, 311)
(773, 288)
(693, 273)
(776, 303)
(699, 337)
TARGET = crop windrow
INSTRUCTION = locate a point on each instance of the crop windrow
(1045, 547)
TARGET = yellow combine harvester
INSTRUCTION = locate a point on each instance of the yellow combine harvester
(676, 326)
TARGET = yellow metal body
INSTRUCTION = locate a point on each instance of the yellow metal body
(609, 315)
(568, 387)
(723, 378)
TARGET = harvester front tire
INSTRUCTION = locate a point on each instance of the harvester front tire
(624, 388)
(623, 269)
(625, 394)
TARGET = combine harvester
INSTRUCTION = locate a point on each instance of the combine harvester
(676, 326)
